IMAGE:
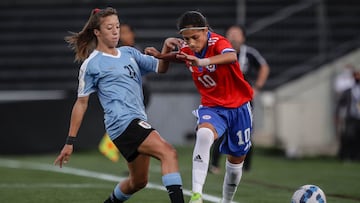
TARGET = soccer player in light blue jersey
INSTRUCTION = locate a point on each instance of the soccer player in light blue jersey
(115, 75)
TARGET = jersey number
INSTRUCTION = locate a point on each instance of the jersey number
(244, 137)
(131, 70)
(207, 81)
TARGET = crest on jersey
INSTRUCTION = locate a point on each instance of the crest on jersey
(144, 124)
(211, 68)
(206, 117)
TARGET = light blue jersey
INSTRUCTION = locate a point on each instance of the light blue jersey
(118, 83)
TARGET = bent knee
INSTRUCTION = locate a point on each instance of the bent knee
(169, 152)
(205, 135)
(236, 160)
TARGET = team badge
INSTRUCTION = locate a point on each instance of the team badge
(144, 124)
(211, 68)
(206, 117)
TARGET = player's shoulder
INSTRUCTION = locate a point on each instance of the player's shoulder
(92, 59)
(128, 49)
(130, 52)
(216, 37)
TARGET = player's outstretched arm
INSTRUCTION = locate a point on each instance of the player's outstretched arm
(168, 52)
(171, 56)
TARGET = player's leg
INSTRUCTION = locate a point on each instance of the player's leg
(236, 144)
(249, 155)
(247, 161)
(155, 146)
(137, 143)
(215, 157)
(233, 174)
(138, 164)
(201, 156)
(137, 179)
(210, 124)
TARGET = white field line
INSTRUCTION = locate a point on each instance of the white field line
(86, 173)
(53, 185)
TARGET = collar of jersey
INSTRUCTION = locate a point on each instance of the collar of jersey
(109, 55)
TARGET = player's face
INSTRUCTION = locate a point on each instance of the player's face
(236, 37)
(127, 37)
(109, 32)
(195, 39)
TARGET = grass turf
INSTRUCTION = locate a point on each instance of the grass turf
(273, 179)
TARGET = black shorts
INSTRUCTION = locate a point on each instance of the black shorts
(129, 141)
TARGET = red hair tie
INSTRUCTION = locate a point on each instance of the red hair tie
(96, 10)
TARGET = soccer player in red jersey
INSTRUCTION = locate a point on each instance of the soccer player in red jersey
(225, 100)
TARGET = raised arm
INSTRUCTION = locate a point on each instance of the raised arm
(225, 58)
(167, 54)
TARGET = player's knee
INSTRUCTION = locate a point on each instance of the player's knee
(170, 152)
(205, 135)
(236, 160)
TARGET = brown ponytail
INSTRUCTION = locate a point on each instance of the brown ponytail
(84, 42)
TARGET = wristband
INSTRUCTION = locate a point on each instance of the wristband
(204, 62)
(70, 140)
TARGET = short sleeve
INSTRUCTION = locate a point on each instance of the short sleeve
(223, 46)
(87, 79)
(145, 62)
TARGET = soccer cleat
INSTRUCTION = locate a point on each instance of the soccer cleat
(196, 198)
(112, 200)
(108, 200)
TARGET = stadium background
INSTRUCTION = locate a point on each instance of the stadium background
(306, 42)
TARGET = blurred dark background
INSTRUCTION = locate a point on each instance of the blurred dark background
(38, 78)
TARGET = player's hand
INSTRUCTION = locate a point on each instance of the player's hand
(64, 155)
(193, 60)
(190, 59)
(152, 51)
(171, 56)
(173, 43)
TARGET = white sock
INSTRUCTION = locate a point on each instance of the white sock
(231, 181)
(201, 156)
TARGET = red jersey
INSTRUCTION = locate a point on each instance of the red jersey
(219, 85)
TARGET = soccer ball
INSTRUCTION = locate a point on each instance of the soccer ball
(308, 194)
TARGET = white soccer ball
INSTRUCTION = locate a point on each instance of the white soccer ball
(308, 194)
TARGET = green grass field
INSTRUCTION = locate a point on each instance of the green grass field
(90, 177)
